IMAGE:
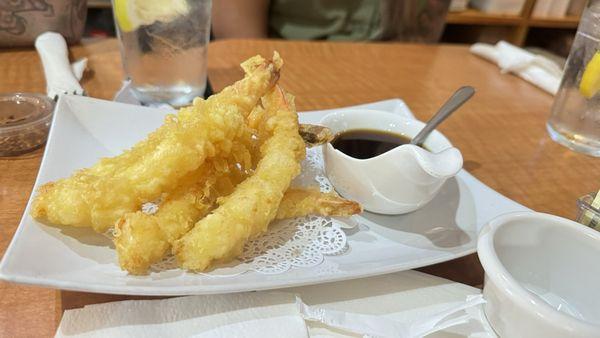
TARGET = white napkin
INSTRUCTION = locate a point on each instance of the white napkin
(250, 315)
(537, 69)
(408, 297)
(61, 77)
(125, 95)
(418, 302)
(379, 326)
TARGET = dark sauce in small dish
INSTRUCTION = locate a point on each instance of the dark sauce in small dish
(367, 143)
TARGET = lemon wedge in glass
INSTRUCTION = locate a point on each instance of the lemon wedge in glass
(130, 14)
(590, 81)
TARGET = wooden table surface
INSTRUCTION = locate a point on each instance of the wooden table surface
(501, 133)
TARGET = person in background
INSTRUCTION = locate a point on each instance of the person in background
(21, 21)
(356, 20)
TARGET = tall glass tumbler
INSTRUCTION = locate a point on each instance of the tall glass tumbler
(164, 48)
(575, 116)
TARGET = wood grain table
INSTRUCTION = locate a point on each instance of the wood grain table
(501, 133)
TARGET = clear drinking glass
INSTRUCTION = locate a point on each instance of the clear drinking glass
(164, 48)
(575, 118)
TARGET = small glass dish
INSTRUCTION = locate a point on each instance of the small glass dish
(587, 214)
(24, 122)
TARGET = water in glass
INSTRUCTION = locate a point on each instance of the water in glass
(575, 118)
(166, 59)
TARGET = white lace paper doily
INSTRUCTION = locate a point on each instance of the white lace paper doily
(291, 243)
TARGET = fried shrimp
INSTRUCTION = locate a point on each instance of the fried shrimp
(247, 211)
(219, 172)
(142, 240)
(100, 195)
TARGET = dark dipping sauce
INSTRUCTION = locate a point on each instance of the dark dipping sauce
(367, 143)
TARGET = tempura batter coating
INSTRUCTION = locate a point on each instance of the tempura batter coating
(302, 202)
(248, 211)
(99, 195)
(143, 240)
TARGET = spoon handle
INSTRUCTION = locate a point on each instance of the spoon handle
(454, 102)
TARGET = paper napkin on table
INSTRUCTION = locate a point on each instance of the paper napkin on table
(405, 297)
(405, 300)
(125, 95)
(249, 315)
(380, 326)
(537, 69)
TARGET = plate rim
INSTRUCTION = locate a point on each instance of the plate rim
(265, 284)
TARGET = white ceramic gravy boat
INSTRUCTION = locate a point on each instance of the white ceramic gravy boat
(398, 181)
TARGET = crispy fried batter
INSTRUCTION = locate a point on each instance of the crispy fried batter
(248, 211)
(142, 239)
(220, 168)
(302, 202)
(99, 195)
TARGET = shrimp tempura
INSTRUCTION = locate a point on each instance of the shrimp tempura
(247, 212)
(100, 195)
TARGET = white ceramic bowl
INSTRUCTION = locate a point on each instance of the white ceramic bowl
(398, 181)
(542, 276)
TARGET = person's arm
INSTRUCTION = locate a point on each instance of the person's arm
(240, 18)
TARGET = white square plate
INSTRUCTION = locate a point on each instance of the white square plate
(85, 129)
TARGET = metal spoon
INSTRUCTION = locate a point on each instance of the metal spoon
(462, 95)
